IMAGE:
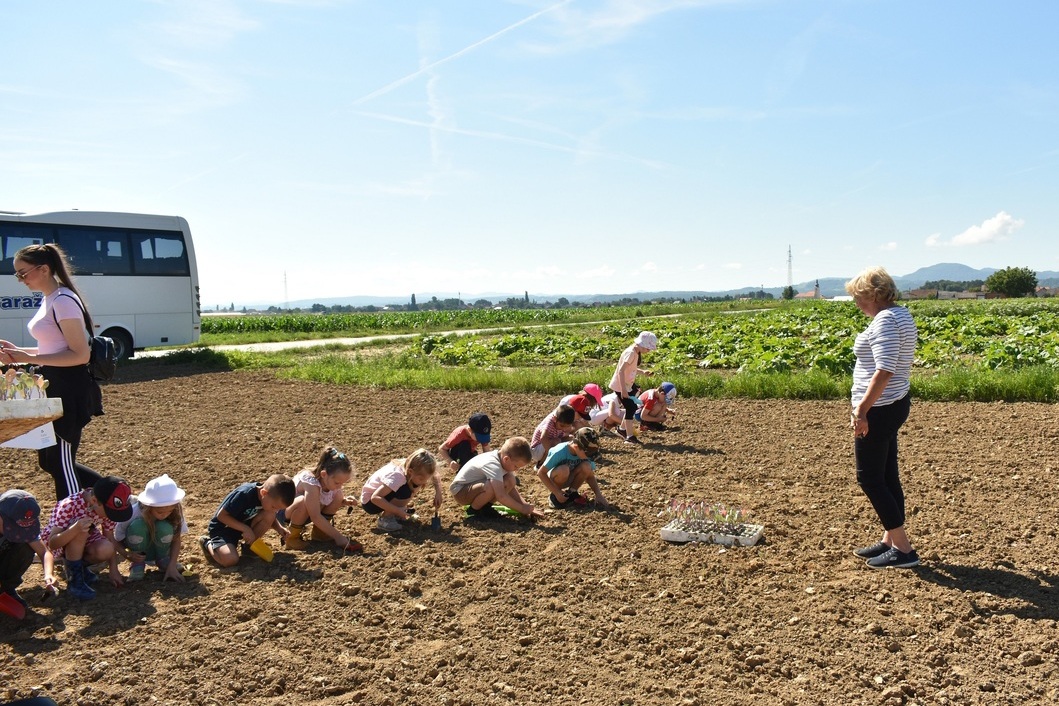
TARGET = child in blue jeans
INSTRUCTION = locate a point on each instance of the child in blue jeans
(154, 533)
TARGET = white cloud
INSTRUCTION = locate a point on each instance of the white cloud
(649, 267)
(999, 227)
(733, 266)
(992, 230)
(888, 247)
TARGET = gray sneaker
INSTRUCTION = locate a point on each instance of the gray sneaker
(389, 524)
(894, 558)
(872, 551)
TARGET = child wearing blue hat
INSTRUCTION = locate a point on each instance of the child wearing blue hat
(657, 407)
(19, 541)
(464, 441)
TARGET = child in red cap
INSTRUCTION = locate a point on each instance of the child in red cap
(73, 533)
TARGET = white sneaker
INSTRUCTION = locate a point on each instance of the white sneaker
(389, 524)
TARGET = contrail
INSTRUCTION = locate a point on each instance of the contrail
(461, 52)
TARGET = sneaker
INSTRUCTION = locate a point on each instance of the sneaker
(872, 551)
(894, 558)
(389, 524)
(632, 440)
(644, 427)
(554, 502)
(136, 571)
(620, 432)
(487, 512)
(576, 498)
(204, 545)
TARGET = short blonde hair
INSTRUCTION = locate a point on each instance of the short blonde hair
(874, 284)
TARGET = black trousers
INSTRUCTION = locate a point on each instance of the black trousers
(876, 455)
(14, 561)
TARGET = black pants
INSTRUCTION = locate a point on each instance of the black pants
(14, 561)
(60, 463)
(463, 452)
(876, 456)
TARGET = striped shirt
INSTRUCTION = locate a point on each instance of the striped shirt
(889, 343)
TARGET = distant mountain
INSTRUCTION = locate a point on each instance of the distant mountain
(829, 287)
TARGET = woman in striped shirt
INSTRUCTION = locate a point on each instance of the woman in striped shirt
(880, 398)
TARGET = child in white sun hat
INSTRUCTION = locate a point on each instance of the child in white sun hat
(624, 380)
(154, 531)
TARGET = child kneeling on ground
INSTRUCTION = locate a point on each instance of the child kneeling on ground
(569, 466)
(390, 489)
(246, 514)
(490, 477)
(155, 530)
(318, 496)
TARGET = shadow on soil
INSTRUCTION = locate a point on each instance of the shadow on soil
(173, 365)
(1039, 591)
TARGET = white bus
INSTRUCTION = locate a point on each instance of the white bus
(137, 274)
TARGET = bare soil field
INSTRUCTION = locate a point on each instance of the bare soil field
(584, 607)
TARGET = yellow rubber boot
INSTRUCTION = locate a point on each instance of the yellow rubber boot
(295, 539)
(318, 535)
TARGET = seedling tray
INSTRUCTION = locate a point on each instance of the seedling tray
(683, 531)
(19, 416)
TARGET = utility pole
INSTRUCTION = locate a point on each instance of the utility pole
(790, 269)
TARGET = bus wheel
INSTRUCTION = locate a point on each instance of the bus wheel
(122, 342)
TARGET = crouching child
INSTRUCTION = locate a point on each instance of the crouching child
(490, 477)
(19, 541)
(81, 532)
(246, 515)
(569, 466)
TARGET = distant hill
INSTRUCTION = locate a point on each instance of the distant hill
(829, 287)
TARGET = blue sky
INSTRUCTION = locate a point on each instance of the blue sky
(327, 148)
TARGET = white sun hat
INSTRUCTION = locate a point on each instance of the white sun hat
(160, 491)
(647, 340)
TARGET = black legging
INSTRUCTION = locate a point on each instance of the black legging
(876, 456)
(15, 558)
(60, 462)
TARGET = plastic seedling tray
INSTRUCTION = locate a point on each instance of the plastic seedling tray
(682, 531)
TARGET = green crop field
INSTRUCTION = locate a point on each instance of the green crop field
(979, 350)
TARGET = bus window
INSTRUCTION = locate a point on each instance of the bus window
(159, 254)
(14, 237)
(95, 251)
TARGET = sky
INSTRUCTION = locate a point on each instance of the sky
(329, 148)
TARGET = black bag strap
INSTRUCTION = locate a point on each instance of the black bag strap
(84, 314)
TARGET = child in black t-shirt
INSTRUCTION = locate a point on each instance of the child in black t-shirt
(247, 514)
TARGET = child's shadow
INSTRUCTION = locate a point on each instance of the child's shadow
(682, 448)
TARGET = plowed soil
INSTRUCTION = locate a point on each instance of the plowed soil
(584, 607)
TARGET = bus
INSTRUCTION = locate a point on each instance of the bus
(137, 274)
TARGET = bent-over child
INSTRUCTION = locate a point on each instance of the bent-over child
(246, 514)
(586, 404)
(154, 532)
(19, 541)
(490, 477)
(81, 531)
(656, 407)
(390, 489)
(569, 465)
(318, 496)
(554, 428)
(464, 441)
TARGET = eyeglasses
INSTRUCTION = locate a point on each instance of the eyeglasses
(21, 276)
